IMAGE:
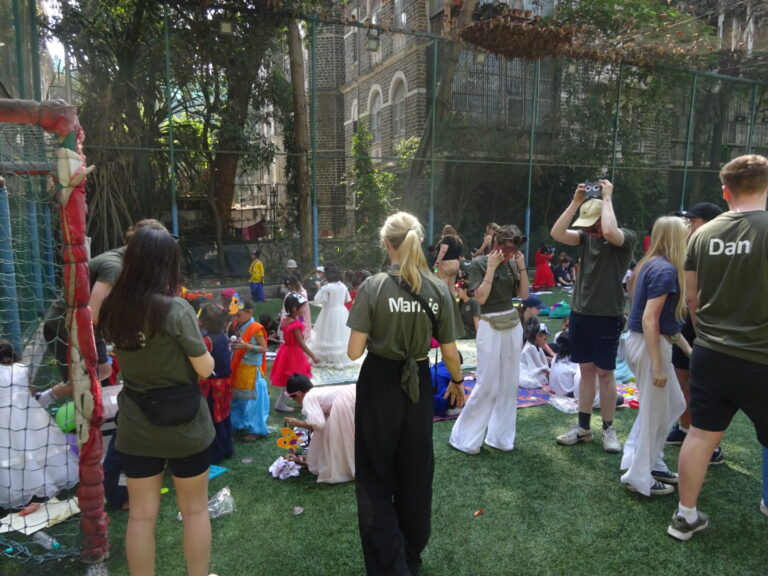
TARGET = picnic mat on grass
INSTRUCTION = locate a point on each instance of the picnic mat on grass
(525, 396)
(322, 375)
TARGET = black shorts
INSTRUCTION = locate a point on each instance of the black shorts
(595, 339)
(721, 385)
(148, 466)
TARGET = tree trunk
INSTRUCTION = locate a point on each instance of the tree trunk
(450, 60)
(301, 123)
(240, 84)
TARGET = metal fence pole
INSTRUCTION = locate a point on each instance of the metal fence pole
(752, 115)
(531, 150)
(616, 121)
(688, 134)
(313, 131)
(431, 210)
(169, 106)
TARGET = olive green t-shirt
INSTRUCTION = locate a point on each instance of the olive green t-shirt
(105, 267)
(504, 286)
(396, 325)
(602, 267)
(730, 257)
(161, 363)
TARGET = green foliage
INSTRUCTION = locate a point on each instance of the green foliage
(374, 188)
(645, 31)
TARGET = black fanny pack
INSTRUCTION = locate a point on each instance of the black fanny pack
(169, 406)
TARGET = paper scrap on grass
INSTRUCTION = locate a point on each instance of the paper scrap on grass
(49, 514)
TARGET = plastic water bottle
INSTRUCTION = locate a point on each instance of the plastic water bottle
(46, 541)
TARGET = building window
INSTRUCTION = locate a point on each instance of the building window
(401, 22)
(375, 15)
(398, 112)
(376, 119)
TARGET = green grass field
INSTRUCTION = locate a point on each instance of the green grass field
(547, 510)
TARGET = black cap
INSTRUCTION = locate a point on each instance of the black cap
(705, 210)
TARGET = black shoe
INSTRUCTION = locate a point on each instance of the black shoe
(717, 457)
(664, 476)
(676, 436)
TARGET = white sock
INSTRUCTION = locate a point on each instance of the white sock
(690, 514)
(682, 429)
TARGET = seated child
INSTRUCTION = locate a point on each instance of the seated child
(36, 458)
(534, 368)
(565, 375)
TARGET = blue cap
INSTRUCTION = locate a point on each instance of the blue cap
(532, 302)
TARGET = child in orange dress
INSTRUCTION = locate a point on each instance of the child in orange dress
(292, 354)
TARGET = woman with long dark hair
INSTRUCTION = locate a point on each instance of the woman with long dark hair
(163, 417)
(394, 317)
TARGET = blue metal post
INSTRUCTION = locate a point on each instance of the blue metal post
(169, 106)
(8, 292)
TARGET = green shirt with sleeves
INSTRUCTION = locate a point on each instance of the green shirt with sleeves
(730, 257)
(506, 280)
(602, 266)
(396, 325)
(105, 267)
(162, 362)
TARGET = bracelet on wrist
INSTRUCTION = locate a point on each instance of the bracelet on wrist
(457, 382)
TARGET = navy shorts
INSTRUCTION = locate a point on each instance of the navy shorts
(595, 339)
(148, 466)
(721, 385)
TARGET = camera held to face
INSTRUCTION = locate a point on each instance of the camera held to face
(593, 189)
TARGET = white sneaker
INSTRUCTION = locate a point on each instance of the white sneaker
(574, 436)
(763, 507)
(610, 440)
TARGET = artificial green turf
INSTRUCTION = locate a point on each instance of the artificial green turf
(547, 510)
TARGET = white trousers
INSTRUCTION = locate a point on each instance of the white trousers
(659, 409)
(491, 412)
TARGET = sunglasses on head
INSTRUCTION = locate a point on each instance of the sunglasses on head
(514, 242)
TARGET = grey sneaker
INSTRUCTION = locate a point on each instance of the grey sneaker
(610, 440)
(682, 530)
(574, 436)
(763, 507)
(717, 457)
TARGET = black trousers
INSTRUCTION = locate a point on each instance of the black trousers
(394, 466)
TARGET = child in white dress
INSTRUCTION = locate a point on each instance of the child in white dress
(35, 455)
(331, 332)
(534, 368)
(564, 376)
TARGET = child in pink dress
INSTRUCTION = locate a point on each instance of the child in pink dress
(292, 354)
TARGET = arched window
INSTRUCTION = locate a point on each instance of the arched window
(398, 111)
(375, 112)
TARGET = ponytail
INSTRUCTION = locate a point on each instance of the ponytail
(405, 233)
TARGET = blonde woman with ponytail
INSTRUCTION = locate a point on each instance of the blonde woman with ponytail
(394, 462)
(656, 318)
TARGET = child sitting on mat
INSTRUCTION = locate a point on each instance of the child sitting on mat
(534, 368)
